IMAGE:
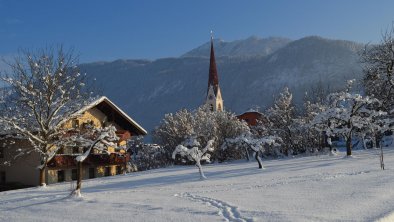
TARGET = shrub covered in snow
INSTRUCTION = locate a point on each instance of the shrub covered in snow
(146, 156)
(201, 123)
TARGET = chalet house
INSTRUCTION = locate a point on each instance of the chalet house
(100, 113)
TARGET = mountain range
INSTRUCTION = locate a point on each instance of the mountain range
(251, 73)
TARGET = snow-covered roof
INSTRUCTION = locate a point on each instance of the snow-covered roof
(102, 99)
(251, 111)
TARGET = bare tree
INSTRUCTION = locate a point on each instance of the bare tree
(317, 93)
(45, 88)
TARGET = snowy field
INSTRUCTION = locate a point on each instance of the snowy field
(317, 188)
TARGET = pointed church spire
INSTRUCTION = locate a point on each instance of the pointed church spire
(213, 73)
(214, 96)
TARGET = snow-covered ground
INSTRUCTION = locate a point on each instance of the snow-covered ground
(316, 188)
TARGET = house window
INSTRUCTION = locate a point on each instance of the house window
(91, 173)
(75, 124)
(107, 171)
(1, 151)
(118, 170)
(74, 174)
(2, 177)
(88, 125)
(61, 151)
(75, 149)
(60, 176)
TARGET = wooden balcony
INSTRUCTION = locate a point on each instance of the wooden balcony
(68, 161)
(123, 135)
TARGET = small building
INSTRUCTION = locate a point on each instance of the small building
(62, 167)
(252, 117)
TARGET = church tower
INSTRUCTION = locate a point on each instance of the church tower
(214, 96)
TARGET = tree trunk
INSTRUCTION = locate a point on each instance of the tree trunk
(202, 176)
(374, 143)
(329, 143)
(349, 146)
(79, 175)
(381, 157)
(320, 139)
(377, 140)
(42, 176)
(247, 153)
(124, 166)
(258, 160)
(364, 142)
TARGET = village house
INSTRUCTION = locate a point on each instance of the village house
(62, 167)
(252, 117)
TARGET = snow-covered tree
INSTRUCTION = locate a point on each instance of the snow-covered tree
(94, 140)
(227, 126)
(262, 126)
(45, 87)
(195, 153)
(314, 132)
(304, 138)
(174, 129)
(281, 116)
(257, 145)
(378, 63)
(347, 114)
(205, 126)
(202, 123)
(380, 123)
(146, 156)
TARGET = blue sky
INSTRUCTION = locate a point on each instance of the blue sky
(108, 30)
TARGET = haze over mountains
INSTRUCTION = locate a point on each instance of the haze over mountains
(251, 72)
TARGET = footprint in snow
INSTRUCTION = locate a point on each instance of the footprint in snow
(225, 210)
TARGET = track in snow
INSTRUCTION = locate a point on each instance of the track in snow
(229, 213)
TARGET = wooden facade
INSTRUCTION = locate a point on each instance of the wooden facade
(251, 117)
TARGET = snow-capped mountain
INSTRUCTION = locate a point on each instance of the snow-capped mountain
(250, 71)
(252, 46)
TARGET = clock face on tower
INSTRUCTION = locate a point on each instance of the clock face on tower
(210, 97)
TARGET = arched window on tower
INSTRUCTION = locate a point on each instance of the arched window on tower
(211, 107)
(220, 107)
